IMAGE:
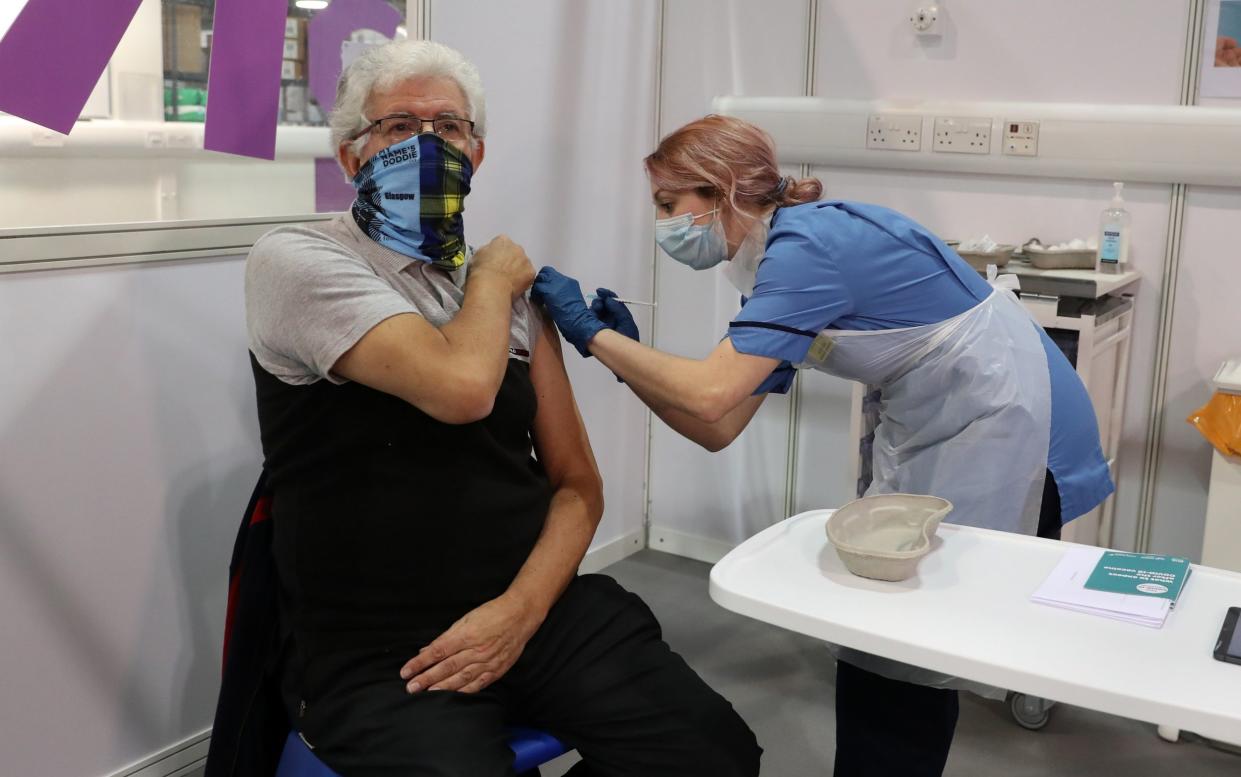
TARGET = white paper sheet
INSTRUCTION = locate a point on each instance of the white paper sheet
(1066, 588)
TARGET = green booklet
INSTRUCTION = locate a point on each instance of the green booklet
(1140, 575)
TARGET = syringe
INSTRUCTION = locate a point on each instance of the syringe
(593, 297)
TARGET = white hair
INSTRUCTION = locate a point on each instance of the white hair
(384, 66)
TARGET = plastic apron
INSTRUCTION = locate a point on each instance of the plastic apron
(965, 414)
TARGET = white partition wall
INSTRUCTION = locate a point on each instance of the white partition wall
(128, 449)
(1206, 330)
(701, 504)
(825, 471)
(1107, 51)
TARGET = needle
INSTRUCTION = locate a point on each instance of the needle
(593, 297)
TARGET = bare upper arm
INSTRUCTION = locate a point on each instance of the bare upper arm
(559, 433)
(404, 355)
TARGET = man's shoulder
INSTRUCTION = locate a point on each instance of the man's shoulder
(330, 233)
(303, 249)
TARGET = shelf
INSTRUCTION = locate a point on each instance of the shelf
(1086, 284)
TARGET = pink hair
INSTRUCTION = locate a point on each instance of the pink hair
(720, 156)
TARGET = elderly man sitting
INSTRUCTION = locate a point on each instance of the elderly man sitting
(434, 488)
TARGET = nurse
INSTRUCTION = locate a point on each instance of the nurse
(978, 405)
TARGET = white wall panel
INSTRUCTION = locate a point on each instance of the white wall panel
(825, 451)
(1206, 329)
(1112, 51)
(128, 449)
(570, 111)
(713, 48)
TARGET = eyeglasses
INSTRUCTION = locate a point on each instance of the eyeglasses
(398, 127)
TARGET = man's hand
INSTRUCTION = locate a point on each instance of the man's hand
(476, 651)
(504, 256)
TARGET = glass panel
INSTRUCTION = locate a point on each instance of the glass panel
(135, 154)
(187, 56)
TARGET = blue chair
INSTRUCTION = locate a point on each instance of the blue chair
(531, 748)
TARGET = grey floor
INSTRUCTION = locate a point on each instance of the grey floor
(783, 685)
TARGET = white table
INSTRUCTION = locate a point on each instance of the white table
(968, 613)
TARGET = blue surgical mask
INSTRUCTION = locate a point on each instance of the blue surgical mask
(411, 196)
(700, 246)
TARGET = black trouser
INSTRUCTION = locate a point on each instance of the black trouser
(1049, 520)
(597, 675)
(888, 727)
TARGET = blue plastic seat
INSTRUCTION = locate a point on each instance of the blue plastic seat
(531, 748)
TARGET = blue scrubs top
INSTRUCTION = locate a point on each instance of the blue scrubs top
(847, 265)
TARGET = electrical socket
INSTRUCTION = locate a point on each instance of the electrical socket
(894, 132)
(1020, 138)
(962, 135)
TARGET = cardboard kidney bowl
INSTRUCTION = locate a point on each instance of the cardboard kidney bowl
(882, 537)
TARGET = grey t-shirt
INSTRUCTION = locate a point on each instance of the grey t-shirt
(313, 291)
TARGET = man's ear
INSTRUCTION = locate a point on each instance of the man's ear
(478, 152)
(348, 160)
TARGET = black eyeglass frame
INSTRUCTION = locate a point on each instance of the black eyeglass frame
(411, 117)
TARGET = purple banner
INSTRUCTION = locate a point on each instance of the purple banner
(243, 87)
(54, 53)
(333, 26)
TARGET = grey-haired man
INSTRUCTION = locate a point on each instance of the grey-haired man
(434, 487)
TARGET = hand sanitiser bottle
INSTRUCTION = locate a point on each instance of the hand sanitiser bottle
(1113, 254)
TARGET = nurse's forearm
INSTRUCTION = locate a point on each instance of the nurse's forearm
(669, 381)
(707, 390)
(714, 437)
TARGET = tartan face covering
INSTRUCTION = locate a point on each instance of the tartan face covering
(411, 196)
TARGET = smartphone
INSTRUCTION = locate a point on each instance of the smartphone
(1228, 646)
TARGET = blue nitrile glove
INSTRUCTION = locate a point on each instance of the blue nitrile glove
(614, 313)
(562, 296)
